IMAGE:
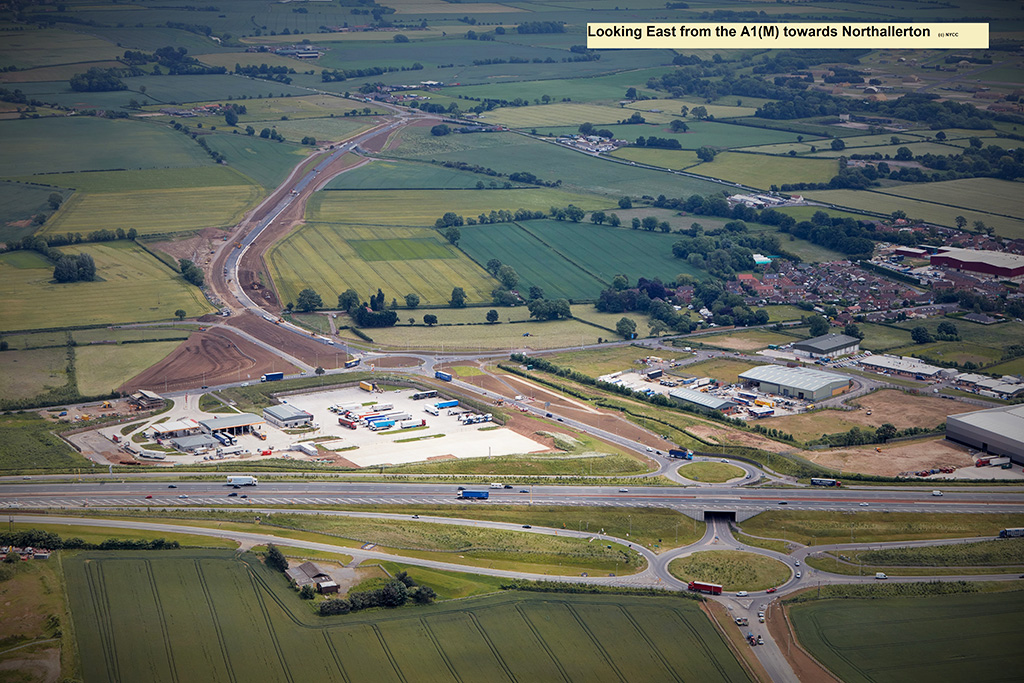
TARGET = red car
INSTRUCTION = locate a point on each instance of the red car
(771, 590)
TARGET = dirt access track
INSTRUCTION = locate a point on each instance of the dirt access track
(215, 356)
(306, 349)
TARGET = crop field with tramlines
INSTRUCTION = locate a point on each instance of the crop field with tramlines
(214, 616)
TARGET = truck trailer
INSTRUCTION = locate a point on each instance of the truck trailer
(701, 587)
(409, 424)
(443, 376)
(682, 454)
(345, 422)
(474, 495)
(272, 377)
(446, 404)
(382, 424)
(241, 480)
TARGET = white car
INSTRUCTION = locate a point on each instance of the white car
(741, 594)
(725, 460)
(183, 496)
(798, 575)
(797, 563)
(863, 505)
(623, 490)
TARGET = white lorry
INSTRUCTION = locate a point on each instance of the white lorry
(241, 480)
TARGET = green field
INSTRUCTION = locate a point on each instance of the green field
(27, 49)
(25, 374)
(609, 87)
(550, 334)
(601, 361)
(147, 179)
(132, 287)
(883, 337)
(1012, 367)
(762, 171)
(18, 203)
(748, 340)
(733, 569)
(712, 472)
(873, 527)
(330, 259)
(420, 208)
(666, 158)
(982, 194)
(509, 153)
(92, 144)
(402, 175)
(265, 162)
(955, 352)
(29, 445)
(138, 616)
(994, 336)
(575, 260)
(105, 367)
(944, 638)
(155, 211)
(563, 114)
(725, 370)
(940, 214)
(700, 134)
(323, 129)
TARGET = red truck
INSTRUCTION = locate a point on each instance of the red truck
(702, 587)
(345, 422)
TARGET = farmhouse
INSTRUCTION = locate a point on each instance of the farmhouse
(900, 365)
(999, 431)
(801, 383)
(995, 263)
(308, 573)
(287, 416)
(827, 346)
(699, 398)
(231, 424)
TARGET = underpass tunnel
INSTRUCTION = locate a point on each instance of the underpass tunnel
(726, 516)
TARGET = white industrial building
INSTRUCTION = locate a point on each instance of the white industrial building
(287, 416)
(827, 346)
(801, 383)
(901, 365)
(999, 431)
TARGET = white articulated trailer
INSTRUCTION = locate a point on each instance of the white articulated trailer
(241, 480)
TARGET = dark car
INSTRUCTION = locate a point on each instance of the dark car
(782, 502)
(508, 486)
(561, 420)
(173, 486)
(524, 490)
(244, 496)
(548, 415)
(527, 526)
(462, 488)
(232, 494)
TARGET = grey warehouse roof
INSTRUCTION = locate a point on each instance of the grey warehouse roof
(803, 379)
(701, 398)
(229, 421)
(827, 343)
(286, 412)
(189, 442)
(1008, 420)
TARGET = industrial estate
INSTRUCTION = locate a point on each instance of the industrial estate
(419, 340)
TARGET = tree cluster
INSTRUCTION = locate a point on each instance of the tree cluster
(275, 559)
(191, 272)
(545, 309)
(660, 143)
(394, 593)
(36, 538)
(338, 75)
(97, 79)
(80, 268)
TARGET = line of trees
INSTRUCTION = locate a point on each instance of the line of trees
(36, 538)
(394, 593)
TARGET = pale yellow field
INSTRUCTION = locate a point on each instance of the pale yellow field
(670, 109)
(762, 171)
(154, 211)
(321, 256)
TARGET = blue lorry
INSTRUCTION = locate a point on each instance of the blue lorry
(474, 495)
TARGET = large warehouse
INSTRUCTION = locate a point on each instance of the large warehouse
(995, 263)
(998, 430)
(827, 345)
(802, 383)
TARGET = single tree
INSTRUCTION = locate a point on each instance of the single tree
(492, 266)
(453, 235)
(536, 292)
(625, 203)
(961, 222)
(348, 300)
(819, 326)
(180, 313)
(508, 277)
(307, 592)
(424, 595)
(308, 300)
(492, 316)
(458, 298)
(851, 330)
(948, 329)
(412, 300)
(275, 559)
(626, 328)
(429, 319)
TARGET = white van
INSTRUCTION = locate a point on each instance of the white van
(497, 485)
(936, 493)
(880, 575)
